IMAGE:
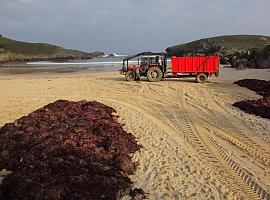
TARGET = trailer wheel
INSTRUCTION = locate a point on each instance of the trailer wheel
(130, 75)
(154, 74)
(201, 78)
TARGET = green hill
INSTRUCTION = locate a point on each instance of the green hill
(223, 45)
(12, 50)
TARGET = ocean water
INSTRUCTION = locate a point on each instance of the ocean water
(99, 64)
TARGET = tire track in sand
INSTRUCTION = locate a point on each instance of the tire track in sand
(237, 126)
(185, 168)
(243, 178)
(179, 125)
(189, 133)
(262, 138)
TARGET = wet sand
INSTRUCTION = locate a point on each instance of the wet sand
(49, 70)
(15, 70)
(196, 145)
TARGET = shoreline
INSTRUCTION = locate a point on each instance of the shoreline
(66, 59)
(52, 59)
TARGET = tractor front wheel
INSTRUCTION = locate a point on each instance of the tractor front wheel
(154, 74)
(130, 75)
(201, 78)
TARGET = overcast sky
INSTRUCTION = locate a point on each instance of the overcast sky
(129, 26)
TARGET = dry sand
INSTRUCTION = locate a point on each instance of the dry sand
(196, 145)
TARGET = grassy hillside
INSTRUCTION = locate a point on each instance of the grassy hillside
(223, 45)
(12, 50)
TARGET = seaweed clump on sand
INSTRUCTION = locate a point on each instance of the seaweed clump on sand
(67, 150)
(260, 107)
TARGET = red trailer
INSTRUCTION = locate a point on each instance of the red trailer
(201, 67)
(155, 66)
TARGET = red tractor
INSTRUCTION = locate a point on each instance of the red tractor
(155, 66)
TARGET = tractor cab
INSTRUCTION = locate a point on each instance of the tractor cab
(148, 64)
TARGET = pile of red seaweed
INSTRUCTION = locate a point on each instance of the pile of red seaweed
(260, 107)
(67, 150)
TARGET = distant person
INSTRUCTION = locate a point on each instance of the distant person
(157, 60)
(144, 64)
(137, 74)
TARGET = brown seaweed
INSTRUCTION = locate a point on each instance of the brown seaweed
(67, 150)
(260, 107)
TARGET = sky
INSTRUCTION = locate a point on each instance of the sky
(130, 26)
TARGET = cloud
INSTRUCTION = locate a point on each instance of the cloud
(129, 26)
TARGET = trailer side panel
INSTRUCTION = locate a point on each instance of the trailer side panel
(207, 64)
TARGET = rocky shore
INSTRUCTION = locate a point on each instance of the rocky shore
(15, 58)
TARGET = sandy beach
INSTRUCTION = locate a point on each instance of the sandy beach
(195, 144)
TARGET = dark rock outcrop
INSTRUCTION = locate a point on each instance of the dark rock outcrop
(253, 58)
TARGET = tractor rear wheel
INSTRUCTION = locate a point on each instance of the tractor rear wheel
(130, 75)
(201, 78)
(154, 74)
